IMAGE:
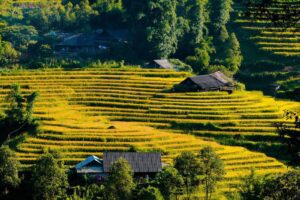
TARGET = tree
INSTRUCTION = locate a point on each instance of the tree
(7, 53)
(149, 193)
(119, 184)
(233, 54)
(20, 36)
(47, 17)
(109, 10)
(189, 168)
(212, 170)
(192, 19)
(220, 13)
(200, 60)
(290, 135)
(18, 116)
(84, 13)
(161, 32)
(169, 182)
(223, 36)
(284, 186)
(154, 26)
(49, 180)
(251, 187)
(9, 177)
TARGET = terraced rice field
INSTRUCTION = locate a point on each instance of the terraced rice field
(270, 37)
(74, 107)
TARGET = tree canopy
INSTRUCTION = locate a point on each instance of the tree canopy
(49, 179)
(119, 184)
(9, 164)
(233, 54)
(18, 116)
(169, 182)
(149, 193)
(189, 168)
(212, 170)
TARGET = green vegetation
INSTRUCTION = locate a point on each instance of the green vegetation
(9, 177)
(284, 186)
(8, 54)
(212, 169)
(150, 193)
(49, 180)
(158, 29)
(169, 182)
(17, 117)
(119, 184)
(189, 168)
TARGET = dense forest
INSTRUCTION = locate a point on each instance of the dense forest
(193, 31)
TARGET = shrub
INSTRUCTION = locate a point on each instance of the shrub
(240, 86)
(213, 68)
(149, 193)
(180, 66)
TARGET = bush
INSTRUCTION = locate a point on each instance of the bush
(194, 126)
(285, 186)
(180, 66)
(213, 68)
(149, 193)
(240, 86)
(199, 61)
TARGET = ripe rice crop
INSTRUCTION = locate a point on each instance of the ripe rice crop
(77, 108)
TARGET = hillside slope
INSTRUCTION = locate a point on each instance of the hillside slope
(73, 106)
(271, 49)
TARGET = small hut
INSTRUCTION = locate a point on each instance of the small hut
(92, 42)
(143, 164)
(212, 82)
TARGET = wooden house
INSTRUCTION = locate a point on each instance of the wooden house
(212, 82)
(143, 164)
(93, 42)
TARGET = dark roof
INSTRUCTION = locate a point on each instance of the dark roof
(214, 80)
(163, 63)
(95, 38)
(140, 162)
(92, 164)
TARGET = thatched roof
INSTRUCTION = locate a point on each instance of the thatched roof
(140, 162)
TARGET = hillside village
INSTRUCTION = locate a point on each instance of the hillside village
(149, 100)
